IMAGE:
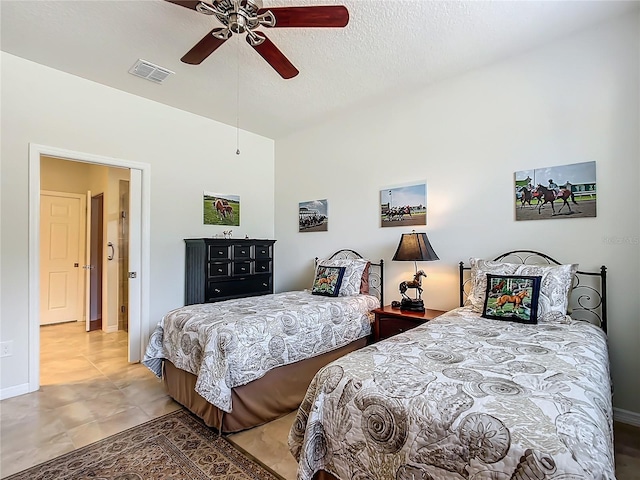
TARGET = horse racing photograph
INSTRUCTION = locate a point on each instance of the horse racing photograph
(564, 191)
(403, 206)
(312, 216)
(221, 209)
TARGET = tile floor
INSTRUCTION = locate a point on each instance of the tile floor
(89, 391)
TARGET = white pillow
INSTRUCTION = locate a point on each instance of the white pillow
(555, 285)
(352, 277)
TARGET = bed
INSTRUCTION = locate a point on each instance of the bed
(240, 363)
(465, 396)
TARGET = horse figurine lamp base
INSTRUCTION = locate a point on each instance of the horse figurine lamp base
(408, 303)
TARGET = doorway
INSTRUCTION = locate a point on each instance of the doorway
(139, 242)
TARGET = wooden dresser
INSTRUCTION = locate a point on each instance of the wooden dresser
(220, 269)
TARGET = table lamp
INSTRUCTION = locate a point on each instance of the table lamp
(414, 247)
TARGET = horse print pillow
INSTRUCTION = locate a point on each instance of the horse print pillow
(512, 297)
(327, 281)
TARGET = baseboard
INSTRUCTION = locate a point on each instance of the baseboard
(111, 329)
(625, 416)
(14, 391)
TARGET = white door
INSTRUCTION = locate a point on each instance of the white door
(60, 219)
(135, 262)
(87, 266)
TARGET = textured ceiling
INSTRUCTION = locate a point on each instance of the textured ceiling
(388, 48)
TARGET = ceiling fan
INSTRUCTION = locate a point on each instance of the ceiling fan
(245, 16)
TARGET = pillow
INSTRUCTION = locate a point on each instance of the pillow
(352, 278)
(364, 282)
(479, 270)
(512, 297)
(328, 281)
(555, 285)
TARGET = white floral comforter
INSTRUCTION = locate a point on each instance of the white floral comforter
(230, 343)
(463, 397)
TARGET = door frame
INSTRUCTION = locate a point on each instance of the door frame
(137, 339)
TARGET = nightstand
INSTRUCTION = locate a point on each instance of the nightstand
(391, 321)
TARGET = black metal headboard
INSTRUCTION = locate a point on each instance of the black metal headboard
(588, 300)
(376, 271)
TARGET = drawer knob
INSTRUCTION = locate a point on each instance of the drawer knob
(220, 253)
(265, 285)
(220, 270)
(217, 290)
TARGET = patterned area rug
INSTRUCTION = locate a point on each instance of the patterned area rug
(176, 446)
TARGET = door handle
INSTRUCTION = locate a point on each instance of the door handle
(113, 251)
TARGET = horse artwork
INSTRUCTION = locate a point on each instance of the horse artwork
(572, 185)
(516, 299)
(498, 287)
(549, 196)
(415, 283)
(512, 297)
(398, 213)
(224, 209)
(221, 209)
(403, 206)
(528, 195)
(313, 216)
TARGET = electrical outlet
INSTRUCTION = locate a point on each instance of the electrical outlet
(6, 348)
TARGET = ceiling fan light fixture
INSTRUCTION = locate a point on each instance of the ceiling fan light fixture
(222, 34)
(254, 38)
(267, 19)
(237, 22)
(205, 8)
(244, 16)
(251, 6)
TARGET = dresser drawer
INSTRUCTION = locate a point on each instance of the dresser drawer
(242, 251)
(218, 252)
(219, 269)
(390, 326)
(263, 266)
(250, 286)
(241, 268)
(262, 251)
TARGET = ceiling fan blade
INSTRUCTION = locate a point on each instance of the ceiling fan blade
(312, 16)
(274, 57)
(205, 47)
(192, 4)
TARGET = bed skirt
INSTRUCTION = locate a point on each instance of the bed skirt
(279, 392)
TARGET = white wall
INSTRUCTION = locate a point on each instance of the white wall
(573, 101)
(188, 154)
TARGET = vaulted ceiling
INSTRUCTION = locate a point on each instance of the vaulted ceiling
(389, 47)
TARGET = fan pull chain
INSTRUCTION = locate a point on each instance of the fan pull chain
(238, 96)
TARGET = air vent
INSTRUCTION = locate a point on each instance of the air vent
(151, 72)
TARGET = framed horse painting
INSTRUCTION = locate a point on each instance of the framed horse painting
(564, 191)
(221, 209)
